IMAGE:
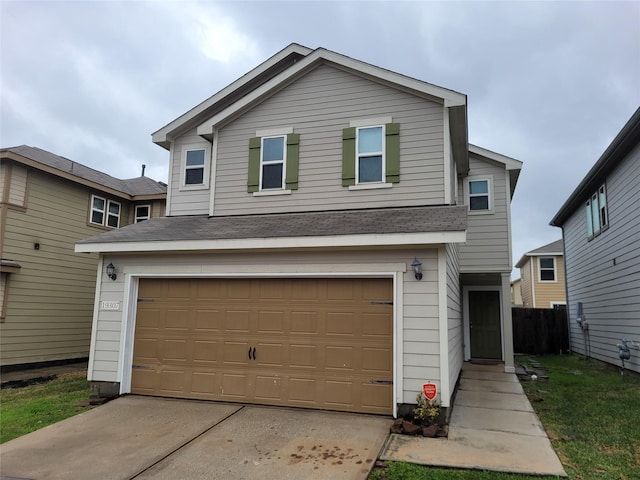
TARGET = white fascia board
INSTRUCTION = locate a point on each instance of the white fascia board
(367, 240)
(509, 163)
(161, 135)
(449, 97)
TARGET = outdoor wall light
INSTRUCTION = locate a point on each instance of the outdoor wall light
(417, 268)
(111, 272)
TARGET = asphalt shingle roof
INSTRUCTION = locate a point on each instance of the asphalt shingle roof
(344, 222)
(132, 186)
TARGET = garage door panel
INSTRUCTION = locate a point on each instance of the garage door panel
(319, 343)
(205, 351)
(303, 356)
(376, 360)
(236, 353)
(207, 320)
(341, 323)
(304, 322)
(238, 320)
(271, 321)
(177, 319)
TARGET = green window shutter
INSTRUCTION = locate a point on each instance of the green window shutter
(293, 155)
(253, 178)
(392, 152)
(348, 156)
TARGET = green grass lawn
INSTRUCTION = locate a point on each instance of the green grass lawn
(590, 413)
(23, 410)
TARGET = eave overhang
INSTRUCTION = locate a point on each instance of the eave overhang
(626, 139)
(513, 166)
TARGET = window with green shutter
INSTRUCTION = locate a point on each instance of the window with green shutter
(371, 154)
(273, 163)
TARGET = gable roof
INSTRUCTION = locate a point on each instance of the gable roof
(293, 62)
(76, 172)
(626, 139)
(553, 248)
(513, 166)
(381, 226)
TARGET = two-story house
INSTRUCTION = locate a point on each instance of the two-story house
(331, 241)
(601, 230)
(542, 278)
(47, 291)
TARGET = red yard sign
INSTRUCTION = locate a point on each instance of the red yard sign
(430, 391)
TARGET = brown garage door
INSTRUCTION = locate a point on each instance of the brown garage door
(317, 343)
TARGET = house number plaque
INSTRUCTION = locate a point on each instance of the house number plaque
(110, 305)
(430, 391)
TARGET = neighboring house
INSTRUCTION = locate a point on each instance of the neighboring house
(47, 291)
(301, 199)
(542, 277)
(601, 230)
(516, 292)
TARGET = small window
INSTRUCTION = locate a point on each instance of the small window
(113, 214)
(596, 212)
(143, 212)
(97, 210)
(194, 167)
(547, 269)
(479, 198)
(272, 162)
(370, 154)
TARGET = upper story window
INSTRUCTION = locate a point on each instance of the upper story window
(479, 195)
(194, 167)
(273, 158)
(194, 174)
(143, 212)
(547, 269)
(596, 212)
(273, 162)
(371, 154)
(104, 212)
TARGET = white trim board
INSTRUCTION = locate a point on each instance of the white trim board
(366, 240)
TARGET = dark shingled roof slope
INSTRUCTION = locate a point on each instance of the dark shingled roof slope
(133, 186)
(343, 222)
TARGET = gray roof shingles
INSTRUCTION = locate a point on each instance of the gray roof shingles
(133, 186)
(344, 222)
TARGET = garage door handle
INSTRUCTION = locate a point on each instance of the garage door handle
(382, 382)
(252, 353)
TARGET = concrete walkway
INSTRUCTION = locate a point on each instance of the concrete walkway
(492, 427)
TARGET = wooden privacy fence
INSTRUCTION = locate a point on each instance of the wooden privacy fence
(537, 331)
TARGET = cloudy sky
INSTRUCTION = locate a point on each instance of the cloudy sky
(548, 83)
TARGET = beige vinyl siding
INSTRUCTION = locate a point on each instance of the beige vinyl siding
(419, 300)
(526, 285)
(318, 106)
(187, 201)
(547, 292)
(4, 171)
(50, 300)
(487, 248)
(610, 293)
(454, 316)
(18, 186)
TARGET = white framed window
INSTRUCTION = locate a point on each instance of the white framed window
(596, 212)
(104, 212)
(98, 206)
(370, 161)
(479, 197)
(195, 167)
(113, 214)
(273, 160)
(547, 269)
(143, 212)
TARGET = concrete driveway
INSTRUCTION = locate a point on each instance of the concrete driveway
(144, 437)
